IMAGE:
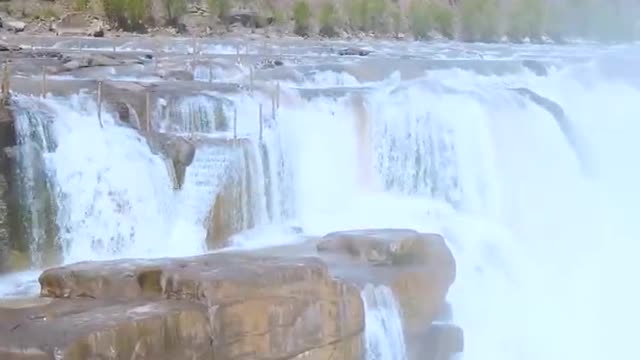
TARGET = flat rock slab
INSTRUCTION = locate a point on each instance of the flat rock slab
(419, 268)
(88, 329)
(256, 307)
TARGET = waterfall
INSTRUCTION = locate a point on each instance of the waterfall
(542, 246)
(545, 250)
(384, 335)
(81, 199)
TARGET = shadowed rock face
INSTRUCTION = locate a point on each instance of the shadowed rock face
(222, 306)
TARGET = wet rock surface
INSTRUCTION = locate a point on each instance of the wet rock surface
(222, 306)
(420, 282)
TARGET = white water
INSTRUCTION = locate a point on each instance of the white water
(384, 334)
(546, 252)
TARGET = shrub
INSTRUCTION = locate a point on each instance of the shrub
(219, 8)
(80, 5)
(328, 19)
(442, 19)
(479, 20)
(427, 16)
(175, 9)
(527, 19)
(126, 14)
(301, 18)
(419, 19)
(367, 15)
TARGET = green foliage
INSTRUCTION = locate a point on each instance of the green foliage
(395, 17)
(128, 15)
(427, 16)
(593, 19)
(80, 5)
(479, 20)
(420, 19)
(367, 15)
(301, 17)
(47, 12)
(442, 18)
(328, 19)
(175, 9)
(279, 15)
(527, 19)
(219, 8)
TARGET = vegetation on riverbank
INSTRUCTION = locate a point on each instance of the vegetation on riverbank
(467, 20)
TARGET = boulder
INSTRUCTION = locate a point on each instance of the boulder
(178, 149)
(4, 46)
(80, 329)
(353, 51)
(74, 23)
(389, 246)
(245, 306)
(13, 25)
(248, 19)
(96, 29)
(419, 268)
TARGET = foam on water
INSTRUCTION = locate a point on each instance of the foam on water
(384, 333)
(545, 251)
(541, 246)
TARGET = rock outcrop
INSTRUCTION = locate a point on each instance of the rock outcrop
(179, 150)
(418, 267)
(217, 306)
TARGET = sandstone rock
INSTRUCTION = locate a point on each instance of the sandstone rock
(231, 211)
(257, 307)
(74, 23)
(354, 51)
(177, 149)
(80, 329)
(419, 267)
(96, 29)
(13, 25)
(389, 246)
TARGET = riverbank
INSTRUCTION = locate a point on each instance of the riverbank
(470, 20)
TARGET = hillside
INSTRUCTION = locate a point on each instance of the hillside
(466, 20)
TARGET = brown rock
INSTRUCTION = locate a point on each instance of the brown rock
(421, 272)
(390, 246)
(73, 23)
(258, 307)
(231, 211)
(179, 150)
(81, 329)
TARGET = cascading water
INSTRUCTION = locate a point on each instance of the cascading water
(545, 250)
(384, 333)
(538, 240)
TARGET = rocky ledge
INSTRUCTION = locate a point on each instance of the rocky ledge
(232, 305)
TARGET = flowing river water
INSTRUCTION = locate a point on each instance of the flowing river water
(532, 178)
